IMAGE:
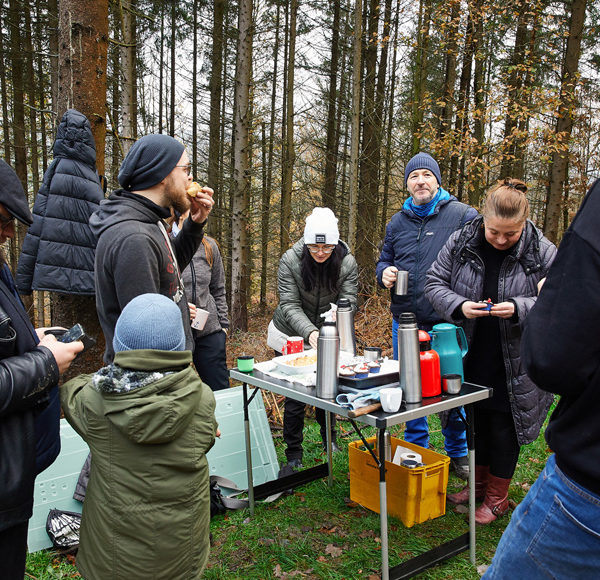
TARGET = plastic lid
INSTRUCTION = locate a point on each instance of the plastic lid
(424, 341)
(408, 318)
(344, 303)
(444, 326)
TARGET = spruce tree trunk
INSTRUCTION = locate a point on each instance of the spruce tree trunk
(241, 170)
(331, 147)
(290, 153)
(83, 30)
(128, 124)
(565, 119)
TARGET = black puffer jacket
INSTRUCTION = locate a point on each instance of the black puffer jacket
(458, 275)
(26, 373)
(58, 250)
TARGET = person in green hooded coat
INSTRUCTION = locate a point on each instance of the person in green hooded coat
(149, 422)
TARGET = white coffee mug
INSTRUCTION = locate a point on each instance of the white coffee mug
(391, 399)
(201, 318)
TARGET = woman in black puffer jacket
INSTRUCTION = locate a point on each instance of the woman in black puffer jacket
(500, 256)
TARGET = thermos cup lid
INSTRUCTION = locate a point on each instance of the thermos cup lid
(344, 303)
(408, 318)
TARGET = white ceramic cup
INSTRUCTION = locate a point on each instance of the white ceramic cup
(201, 318)
(391, 399)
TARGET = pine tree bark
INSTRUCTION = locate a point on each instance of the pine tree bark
(83, 31)
(215, 88)
(565, 119)
(420, 73)
(241, 170)
(268, 187)
(355, 122)
(18, 120)
(128, 123)
(290, 153)
(331, 146)
(447, 110)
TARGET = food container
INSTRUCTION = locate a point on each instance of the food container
(301, 363)
(414, 494)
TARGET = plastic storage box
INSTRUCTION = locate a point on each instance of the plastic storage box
(413, 495)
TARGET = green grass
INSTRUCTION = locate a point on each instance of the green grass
(318, 533)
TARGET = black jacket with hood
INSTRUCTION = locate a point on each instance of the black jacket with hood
(58, 250)
(133, 257)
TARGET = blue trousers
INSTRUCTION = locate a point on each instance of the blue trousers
(417, 430)
(553, 533)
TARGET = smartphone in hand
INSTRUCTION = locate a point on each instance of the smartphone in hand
(76, 332)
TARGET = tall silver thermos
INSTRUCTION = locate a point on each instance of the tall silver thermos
(345, 324)
(408, 358)
(328, 347)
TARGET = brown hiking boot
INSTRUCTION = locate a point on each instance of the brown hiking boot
(495, 503)
(462, 497)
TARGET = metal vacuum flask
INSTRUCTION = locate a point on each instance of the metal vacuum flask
(345, 324)
(328, 347)
(408, 358)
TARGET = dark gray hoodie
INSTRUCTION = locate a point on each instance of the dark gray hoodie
(133, 258)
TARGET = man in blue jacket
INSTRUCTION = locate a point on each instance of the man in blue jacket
(413, 239)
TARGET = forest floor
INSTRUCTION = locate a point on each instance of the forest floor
(317, 531)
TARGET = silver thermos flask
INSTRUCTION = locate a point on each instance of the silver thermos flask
(408, 358)
(328, 348)
(345, 324)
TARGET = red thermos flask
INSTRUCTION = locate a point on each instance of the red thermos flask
(431, 378)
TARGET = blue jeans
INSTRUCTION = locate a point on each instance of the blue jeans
(553, 533)
(417, 430)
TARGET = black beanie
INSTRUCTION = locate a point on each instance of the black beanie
(12, 196)
(149, 161)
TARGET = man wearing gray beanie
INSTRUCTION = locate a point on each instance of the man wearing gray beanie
(413, 238)
(134, 254)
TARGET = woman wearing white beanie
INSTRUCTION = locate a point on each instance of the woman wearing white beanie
(318, 270)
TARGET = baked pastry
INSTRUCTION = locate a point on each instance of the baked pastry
(194, 189)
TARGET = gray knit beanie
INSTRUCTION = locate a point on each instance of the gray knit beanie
(149, 321)
(149, 161)
(423, 161)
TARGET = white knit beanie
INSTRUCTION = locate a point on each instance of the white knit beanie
(321, 227)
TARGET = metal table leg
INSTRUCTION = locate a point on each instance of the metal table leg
(385, 562)
(471, 448)
(329, 451)
(248, 450)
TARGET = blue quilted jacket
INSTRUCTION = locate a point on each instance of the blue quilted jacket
(58, 250)
(413, 243)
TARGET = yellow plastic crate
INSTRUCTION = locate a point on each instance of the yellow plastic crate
(413, 495)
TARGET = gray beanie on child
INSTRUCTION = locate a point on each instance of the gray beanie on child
(149, 321)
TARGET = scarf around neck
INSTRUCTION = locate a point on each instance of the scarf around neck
(423, 211)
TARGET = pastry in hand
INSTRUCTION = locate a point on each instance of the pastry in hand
(194, 189)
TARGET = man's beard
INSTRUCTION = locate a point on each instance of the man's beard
(178, 201)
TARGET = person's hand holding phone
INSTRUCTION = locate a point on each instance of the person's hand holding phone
(64, 352)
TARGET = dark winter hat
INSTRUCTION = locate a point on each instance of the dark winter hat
(149, 161)
(423, 161)
(12, 195)
(149, 321)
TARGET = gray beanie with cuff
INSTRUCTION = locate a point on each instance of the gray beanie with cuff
(423, 161)
(149, 161)
(149, 321)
